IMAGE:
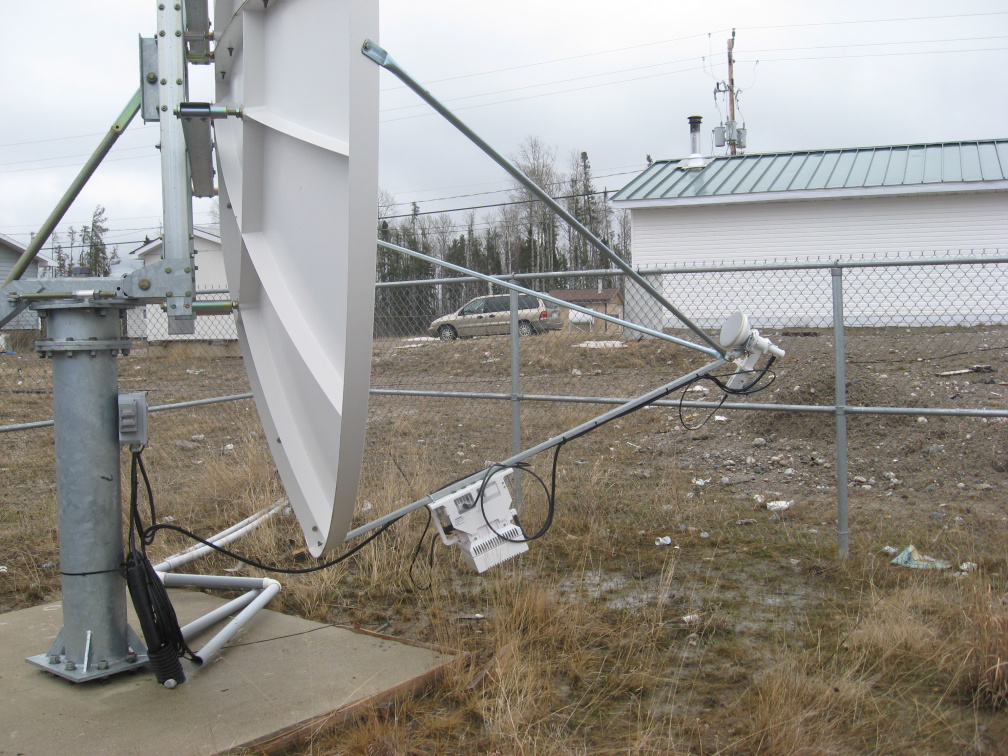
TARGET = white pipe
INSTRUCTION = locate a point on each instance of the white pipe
(214, 582)
(213, 647)
(196, 627)
(221, 539)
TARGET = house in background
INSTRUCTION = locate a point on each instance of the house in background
(606, 301)
(922, 200)
(151, 322)
(26, 323)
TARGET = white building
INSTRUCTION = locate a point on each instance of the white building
(923, 200)
(151, 322)
(10, 252)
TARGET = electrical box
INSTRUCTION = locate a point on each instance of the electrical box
(719, 136)
(482, 524)
(133, 419)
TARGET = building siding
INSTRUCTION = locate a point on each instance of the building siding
(838, 227)
(940, 225)
(27, 320)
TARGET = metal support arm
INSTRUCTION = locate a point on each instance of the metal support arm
(507, 284)
(35, 245)
(375, 52)
(152, 283)
(625, 409)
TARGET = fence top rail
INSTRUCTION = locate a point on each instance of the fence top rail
(741, 267)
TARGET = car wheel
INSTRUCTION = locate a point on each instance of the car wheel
(524, 328)
(447, 333)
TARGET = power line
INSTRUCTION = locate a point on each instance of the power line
(691, 58)
(495, 204)
(546, 94)
(134, 130)
(876, 20)
(686, 70)
(694, 36)
(554, 60)
(73, 157)
(881, 44)
(550, 83)
(876, 55)
(77, 165)
(635, 169)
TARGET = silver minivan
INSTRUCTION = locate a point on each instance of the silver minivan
(485, 316)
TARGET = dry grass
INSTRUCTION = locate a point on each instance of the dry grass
(752, 640)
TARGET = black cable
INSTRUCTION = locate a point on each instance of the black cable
(259, 565)
(155, 613)
(752, 387)
(430, 556)
(549, 491)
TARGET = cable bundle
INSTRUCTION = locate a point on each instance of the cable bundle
(158, 622)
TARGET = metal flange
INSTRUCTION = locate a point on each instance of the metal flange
(49, 347)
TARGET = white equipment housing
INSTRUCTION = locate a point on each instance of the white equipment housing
(736, 334)
(298, 177)
(460, 519)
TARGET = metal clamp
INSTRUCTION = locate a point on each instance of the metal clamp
(205, 110)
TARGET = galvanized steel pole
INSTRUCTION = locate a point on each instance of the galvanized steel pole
(84, 343)
(840, 393)
(515, 396)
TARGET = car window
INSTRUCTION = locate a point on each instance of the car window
(475, 307)
(528, 302)
(499, 304)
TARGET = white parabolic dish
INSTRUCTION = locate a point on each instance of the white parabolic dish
(298, 177)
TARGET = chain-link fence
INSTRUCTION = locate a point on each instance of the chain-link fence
(917, 423)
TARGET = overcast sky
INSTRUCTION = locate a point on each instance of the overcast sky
(616, 79)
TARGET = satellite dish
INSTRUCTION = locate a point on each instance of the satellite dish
(298, 210)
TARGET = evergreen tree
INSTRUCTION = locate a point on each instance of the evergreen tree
(94, 253)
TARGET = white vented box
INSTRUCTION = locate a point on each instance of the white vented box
(485, 530)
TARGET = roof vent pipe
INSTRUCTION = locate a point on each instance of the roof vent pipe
(696, 158)
(694, 134)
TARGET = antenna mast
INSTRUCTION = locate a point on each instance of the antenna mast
(729, 133)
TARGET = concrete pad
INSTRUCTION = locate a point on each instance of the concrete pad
(281, 678)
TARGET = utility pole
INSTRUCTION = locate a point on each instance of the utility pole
(729, 134)
(731, 89)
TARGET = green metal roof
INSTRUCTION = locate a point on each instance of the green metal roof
(862, 170)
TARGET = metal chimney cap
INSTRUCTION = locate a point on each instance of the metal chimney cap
(696, 159)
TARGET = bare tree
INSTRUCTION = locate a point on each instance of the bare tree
(386, 204)
(539, 247)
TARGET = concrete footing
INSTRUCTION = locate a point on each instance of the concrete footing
(283, 679)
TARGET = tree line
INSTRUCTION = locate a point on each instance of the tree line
(85, 247)
(523, 235)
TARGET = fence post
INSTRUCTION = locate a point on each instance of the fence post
(516, 445)
(840, 383)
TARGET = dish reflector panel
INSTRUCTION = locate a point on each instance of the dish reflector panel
(298, 210)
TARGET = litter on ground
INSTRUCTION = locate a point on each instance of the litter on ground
(910, 557)
(600, 345)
